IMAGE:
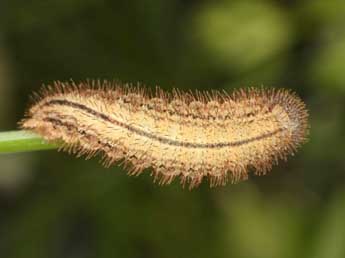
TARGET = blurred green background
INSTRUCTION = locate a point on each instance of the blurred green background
(54, 205)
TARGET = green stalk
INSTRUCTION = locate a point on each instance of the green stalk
(20, 141)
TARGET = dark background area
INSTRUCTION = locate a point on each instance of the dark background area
(54, 205)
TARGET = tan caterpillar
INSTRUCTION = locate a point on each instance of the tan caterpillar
(186, 135)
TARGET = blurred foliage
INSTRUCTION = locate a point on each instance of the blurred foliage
(54, 205)
(329, 62)
(228, 30)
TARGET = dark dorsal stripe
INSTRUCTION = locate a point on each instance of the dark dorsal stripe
(160, 139)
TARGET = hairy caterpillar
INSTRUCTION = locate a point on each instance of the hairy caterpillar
(186, 135)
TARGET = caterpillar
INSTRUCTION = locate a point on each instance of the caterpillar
(190, 135)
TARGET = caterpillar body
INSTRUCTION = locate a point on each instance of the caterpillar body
(178, 134)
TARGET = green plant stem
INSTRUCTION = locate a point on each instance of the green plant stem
(20, 141)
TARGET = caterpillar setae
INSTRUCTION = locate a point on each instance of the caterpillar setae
(190, 135)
